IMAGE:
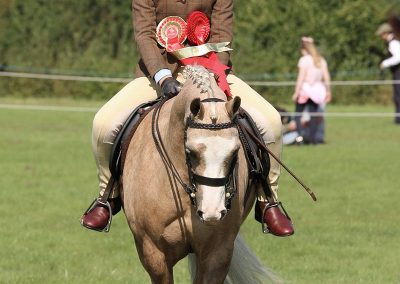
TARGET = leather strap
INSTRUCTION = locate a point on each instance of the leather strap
(110, 185)
(210, 181)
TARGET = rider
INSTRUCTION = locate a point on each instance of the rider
(158, 74)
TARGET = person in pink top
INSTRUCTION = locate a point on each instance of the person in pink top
(312, 86)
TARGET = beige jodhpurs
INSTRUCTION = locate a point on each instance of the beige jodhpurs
(111, 117)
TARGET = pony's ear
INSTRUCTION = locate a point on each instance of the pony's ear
(196, 107)
(233, 106)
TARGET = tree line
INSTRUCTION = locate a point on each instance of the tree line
(94, 37)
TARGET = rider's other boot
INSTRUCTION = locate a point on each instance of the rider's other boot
(276, 222)
(98, 216)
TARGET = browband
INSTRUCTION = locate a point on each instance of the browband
(212, 100)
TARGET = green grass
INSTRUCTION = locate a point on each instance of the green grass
(48, 178)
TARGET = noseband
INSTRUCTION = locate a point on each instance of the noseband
(229, 182)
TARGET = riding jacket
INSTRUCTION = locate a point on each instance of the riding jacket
(147, 14)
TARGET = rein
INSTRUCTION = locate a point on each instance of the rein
(229, 181)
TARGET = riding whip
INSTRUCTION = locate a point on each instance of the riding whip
(263, 147)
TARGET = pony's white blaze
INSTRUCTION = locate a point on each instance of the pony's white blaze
(211, 199)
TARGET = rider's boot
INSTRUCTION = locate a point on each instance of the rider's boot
(273, 219)
(98, 216)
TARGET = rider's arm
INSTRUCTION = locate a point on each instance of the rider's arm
(144, 23)
(222, 26)
(394, 49)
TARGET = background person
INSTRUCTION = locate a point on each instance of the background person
(290, 134)
(385, 31)
(312, 87)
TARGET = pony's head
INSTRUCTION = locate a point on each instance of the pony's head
(211, 144)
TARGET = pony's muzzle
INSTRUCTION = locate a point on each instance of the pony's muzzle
(210, 217)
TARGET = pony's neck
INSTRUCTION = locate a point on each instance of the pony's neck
(176, 123)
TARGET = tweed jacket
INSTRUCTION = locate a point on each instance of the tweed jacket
(148, 13)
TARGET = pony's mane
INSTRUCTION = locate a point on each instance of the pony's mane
(201, 78)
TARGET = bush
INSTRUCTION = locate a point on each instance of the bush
(94, 37)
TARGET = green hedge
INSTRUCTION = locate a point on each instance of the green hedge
(94, 37)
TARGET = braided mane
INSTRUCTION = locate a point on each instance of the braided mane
(201, 78)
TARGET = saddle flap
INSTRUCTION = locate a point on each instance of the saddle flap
(126, 134)
(258, 160)
(252, 151)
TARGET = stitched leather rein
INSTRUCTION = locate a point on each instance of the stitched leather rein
(229, 181)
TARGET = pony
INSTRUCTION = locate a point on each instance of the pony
(185, 187)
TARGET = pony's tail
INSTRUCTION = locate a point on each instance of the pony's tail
(245, 267)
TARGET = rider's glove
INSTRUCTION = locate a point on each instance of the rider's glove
(170, 87)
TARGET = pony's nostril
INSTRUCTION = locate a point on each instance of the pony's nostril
(200, 213)
(223, 213)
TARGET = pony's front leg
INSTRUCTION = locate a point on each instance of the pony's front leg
(213, 267)
(154, 261)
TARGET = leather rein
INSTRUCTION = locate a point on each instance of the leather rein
(194, 179)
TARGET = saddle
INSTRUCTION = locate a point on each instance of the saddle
(123, 138)
(126, 134)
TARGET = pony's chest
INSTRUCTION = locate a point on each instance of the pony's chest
(177, 235)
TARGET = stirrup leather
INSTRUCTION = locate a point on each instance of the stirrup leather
(91, 207)
(264, 226)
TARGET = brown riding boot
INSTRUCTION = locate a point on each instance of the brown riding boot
(273, 219)
(98, 217)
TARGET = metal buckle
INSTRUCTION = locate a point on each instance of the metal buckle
(91, 207)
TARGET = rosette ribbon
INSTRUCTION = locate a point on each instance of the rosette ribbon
(200, 50)
(205, 55)
(173, 31)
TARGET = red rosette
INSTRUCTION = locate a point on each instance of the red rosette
(198, 28)
(171, 31)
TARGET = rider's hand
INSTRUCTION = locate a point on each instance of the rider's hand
(170, 87)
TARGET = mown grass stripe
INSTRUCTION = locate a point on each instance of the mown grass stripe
(47, 108)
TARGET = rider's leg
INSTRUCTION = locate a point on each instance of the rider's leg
(106, 124)
(313, 107)
(299, 109)
(269, 123)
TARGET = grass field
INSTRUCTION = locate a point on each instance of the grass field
(48, 178)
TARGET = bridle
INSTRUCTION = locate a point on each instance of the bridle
(229, 181)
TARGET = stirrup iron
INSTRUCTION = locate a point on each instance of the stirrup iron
(91, 207)
(264, 226)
